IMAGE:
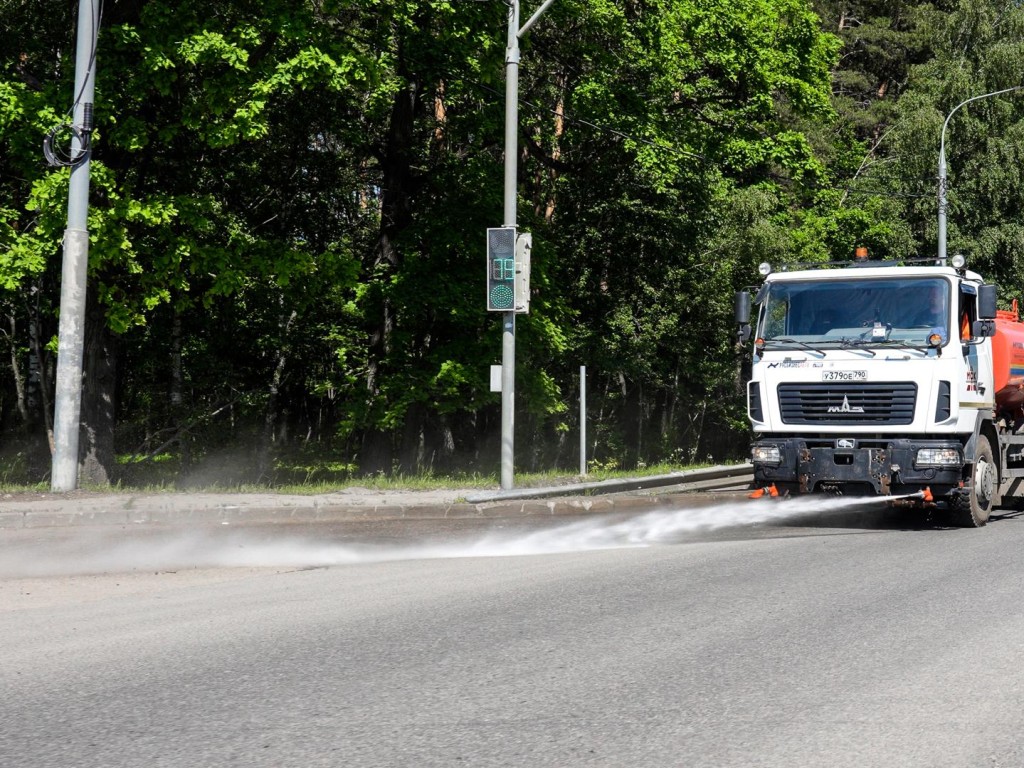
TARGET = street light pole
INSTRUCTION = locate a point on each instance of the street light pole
(508, 319)
(942, 165)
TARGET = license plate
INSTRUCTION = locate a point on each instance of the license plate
(844, 375)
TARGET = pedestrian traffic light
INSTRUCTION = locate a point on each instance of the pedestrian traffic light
(508, 270)
(501, 269)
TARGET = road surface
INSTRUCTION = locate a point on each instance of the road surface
(648, 641)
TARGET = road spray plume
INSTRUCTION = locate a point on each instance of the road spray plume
(92, 551)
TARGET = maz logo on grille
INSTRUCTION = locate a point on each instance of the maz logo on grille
(845, 407)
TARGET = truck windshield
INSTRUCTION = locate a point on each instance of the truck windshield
(899, 310)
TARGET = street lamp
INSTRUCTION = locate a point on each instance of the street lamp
(942, 165)
(508, 335)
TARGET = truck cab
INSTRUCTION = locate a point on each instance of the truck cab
(877, 379)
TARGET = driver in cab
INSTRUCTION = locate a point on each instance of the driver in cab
(932, 313)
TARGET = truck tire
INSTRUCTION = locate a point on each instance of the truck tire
(972, 509)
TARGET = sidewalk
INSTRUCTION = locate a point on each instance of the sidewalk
(183, 508)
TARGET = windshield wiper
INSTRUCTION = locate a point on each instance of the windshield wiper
(804, 344)
(860, 343)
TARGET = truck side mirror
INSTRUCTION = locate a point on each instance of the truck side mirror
(987, 302)
(982, 328)
(741, 309)
(741, 305)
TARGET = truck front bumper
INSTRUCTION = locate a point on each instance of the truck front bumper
(802, 465)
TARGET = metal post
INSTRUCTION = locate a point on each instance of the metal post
(74, 270)
(942, 195)
(508, 322)
(943, 185)
(583, 420)
(508, 338)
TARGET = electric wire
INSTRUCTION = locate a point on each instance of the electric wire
(56, 156)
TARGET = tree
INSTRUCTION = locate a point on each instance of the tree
(183, 210)
(289, 206)
(977, 47)
(698, 101)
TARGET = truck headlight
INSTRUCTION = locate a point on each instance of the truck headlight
(938, 457)
(766, 454)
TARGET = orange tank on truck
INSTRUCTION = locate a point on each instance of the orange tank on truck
(1008, 362)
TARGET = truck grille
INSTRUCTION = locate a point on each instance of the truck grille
(861, 403)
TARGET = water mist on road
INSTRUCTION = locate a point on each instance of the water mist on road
(93, 551)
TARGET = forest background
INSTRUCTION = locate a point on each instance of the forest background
(289, 203)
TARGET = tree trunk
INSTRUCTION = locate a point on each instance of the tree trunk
(97, 463)
(411, 453)
(556, 148)
(38, 376)
(270, 415)
(19, 377)
(631, 415)
(177, 398)
(396, 216)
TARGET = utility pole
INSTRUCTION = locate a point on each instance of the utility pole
(508, 320)
(74, 271)
(942, 166)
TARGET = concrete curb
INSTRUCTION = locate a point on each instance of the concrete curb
(729, 474)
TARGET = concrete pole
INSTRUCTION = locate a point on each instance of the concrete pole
(508, 336)
(943, 184)
(71, 330)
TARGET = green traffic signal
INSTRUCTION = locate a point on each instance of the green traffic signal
(501, 269)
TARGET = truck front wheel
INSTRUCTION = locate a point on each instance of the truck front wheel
(972, 509)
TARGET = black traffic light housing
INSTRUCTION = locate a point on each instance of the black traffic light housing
(508, 270)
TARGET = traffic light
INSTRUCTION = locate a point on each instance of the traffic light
(501, 269)
(508, 270)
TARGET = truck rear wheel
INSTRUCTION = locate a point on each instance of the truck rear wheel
(972, 509)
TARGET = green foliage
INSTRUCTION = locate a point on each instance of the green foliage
(290, 201)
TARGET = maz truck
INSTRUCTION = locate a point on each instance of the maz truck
(900, 380)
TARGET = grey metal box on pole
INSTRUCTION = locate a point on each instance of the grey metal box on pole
(524, 247)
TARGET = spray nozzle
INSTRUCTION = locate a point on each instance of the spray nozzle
(768, 490)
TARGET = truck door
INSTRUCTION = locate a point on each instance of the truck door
(976, 389)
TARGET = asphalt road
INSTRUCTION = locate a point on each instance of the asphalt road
(658, 641)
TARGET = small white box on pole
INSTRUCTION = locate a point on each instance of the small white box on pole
(495, 378)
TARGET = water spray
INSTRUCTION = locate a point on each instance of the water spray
(108, 552)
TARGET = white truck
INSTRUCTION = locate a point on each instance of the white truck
(894, 379)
